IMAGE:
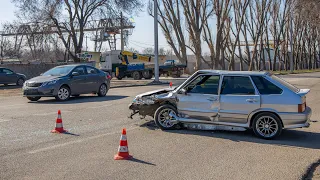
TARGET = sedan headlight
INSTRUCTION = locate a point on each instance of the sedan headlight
(49, 83)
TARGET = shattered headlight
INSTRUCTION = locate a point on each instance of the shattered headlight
(144, 100)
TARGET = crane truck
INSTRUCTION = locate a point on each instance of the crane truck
(128, 64)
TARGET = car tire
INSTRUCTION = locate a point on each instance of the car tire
(34, 98)
(267, 125)
(63, 93)
(162, 119)
(103, 90)
(20, 82)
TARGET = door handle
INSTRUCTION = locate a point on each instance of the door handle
(212, 99)
(251, 100)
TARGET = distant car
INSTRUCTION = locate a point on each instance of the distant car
(228, 100)
(7, 76)
(62, 82)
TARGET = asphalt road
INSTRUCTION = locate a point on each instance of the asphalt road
(29, 151)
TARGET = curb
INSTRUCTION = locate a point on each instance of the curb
(136, 85)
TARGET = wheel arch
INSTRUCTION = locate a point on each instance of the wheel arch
(257, 112)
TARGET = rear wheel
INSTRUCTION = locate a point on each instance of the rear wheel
(267, 126)
(33, 98)
(63, 94)
(162, 117)
(136, 75)
(20, 82)
(103, 90)
(147, 74)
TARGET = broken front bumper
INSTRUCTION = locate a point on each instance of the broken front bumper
(142, 109)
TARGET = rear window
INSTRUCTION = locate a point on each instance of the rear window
(285, 83)
(264, 86)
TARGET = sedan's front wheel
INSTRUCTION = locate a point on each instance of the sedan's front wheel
(267, 125)
(163, 119)
(63, 94)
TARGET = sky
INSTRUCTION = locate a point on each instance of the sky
(141, 38)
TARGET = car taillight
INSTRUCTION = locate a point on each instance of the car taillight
(302, 107)
(108, 76)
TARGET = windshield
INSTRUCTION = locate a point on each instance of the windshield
(58, 71)
(285, 83)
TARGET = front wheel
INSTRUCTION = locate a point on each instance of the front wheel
(162, 117)
(103, 90)
(33, 98)
(267, 126)
(63, 94)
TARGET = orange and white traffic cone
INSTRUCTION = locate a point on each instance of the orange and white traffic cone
(59, 125)
(123, 152)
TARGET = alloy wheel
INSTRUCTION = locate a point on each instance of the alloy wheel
(267, 126)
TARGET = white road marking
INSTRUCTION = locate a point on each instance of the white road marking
(4, 120)
(12, 105)
(77, 141)
(51, 113)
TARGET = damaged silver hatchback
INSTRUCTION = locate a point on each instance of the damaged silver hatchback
(228, 100)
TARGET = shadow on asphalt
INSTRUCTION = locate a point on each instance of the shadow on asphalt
(81, 99)
(140, 161)
(10, 87)
(289, 138)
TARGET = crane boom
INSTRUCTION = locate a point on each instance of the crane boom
(125, 60)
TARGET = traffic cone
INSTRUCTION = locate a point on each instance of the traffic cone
(123, 152)
(170, 85)
(59, 125)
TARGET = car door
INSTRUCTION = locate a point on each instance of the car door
(238, 98)
(78, 84)
(93, 79)
(9, 76)
(201, 100)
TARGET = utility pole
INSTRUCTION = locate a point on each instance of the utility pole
(156, 60)
(86, 43)
(121, 32)
(291, 38)
(1, 46)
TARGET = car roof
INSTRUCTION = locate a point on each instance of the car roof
(72, 65)
(224, 72)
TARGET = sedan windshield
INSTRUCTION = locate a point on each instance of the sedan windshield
(58, 71)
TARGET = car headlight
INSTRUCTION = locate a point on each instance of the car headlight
(139, 100)
(49, 83)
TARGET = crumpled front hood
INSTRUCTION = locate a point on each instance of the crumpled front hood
(159, 91)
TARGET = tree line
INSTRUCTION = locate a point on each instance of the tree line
(254, 33)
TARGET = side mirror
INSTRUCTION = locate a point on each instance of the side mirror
(182, 91)
(75, 74)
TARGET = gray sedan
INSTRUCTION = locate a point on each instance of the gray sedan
(7, 76)
(62, 82)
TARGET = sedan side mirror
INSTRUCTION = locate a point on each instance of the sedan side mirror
(75, 74)
(183, 91)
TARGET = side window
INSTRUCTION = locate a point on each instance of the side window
(7, 71)
(237, 85)
(91, 70)
(264, 86)
(205, 84)
(80, 70)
